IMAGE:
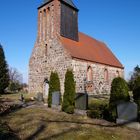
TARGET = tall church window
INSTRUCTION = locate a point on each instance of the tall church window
(48, 21)
(44, 24)
(89, 74)
(52, 21)
(40, 24)
(106, 75)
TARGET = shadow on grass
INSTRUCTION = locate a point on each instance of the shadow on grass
(61, 133)
(89, 123)
(16, 107)
(81, 123)
(6, 133)
(11, 109)
(37, 132)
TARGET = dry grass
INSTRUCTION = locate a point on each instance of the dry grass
(38, 122)
(16, 96)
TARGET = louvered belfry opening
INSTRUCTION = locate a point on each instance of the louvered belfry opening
(69, 20)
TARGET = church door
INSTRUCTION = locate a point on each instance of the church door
(46, 89)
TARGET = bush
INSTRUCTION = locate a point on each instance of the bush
(136, 94)
(98, 110)
(54, 85)
(136, 91)
(119, 93)
(69, 93)
(134, 76)
(14, 87)
(69, 110)
(97, 114)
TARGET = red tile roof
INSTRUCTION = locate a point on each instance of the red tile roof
(90, 49)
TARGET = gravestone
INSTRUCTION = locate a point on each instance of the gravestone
(127, 112)
(56, 98)
(39, 97)
(81, 101)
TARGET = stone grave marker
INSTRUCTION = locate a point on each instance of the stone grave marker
(127, 112)
(39, 97)
(56, 98)
(81, 101)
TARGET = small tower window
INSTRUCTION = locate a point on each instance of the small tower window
(48, 8)
(44, 12)
(117, 74)
(89, 74)
(46, 49)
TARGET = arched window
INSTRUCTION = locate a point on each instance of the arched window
(44, 24)
(48, 21)
(46, 87)
(106, 75)
(89, 74)
(40, 24)
(117, 74)
(44, 12)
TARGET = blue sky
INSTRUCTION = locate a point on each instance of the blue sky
(115, 22)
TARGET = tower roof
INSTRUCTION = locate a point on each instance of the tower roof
(68, 2)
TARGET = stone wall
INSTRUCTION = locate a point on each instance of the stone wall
(48, 54)
(54, 57)
(45, 59)
(99, 83)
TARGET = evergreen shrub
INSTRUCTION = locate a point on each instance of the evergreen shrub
(69, 93)
(54, 85)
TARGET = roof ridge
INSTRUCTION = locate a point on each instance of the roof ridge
(68, 2)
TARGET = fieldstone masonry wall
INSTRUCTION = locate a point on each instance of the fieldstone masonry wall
(100, 85)
(48, 54)
(42, 62)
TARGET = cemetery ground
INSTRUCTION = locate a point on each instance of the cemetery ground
(36, 121)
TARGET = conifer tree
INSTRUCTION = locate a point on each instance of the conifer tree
(69, 93)
(4, 76)
(54, 85)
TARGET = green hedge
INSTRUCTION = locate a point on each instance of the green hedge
(54, 85)
(119, 93)
(69, 93)
(136, 94)
(99, 110)
(136, 91)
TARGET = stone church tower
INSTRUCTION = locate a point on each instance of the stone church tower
(59, 46)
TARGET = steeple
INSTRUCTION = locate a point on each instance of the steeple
(57, 18)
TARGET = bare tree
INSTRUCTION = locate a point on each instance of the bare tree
(16, 80)
(15, 75)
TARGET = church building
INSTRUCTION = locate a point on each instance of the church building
(60, 46)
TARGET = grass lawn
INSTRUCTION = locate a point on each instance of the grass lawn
(40, 123)
(16, 96)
